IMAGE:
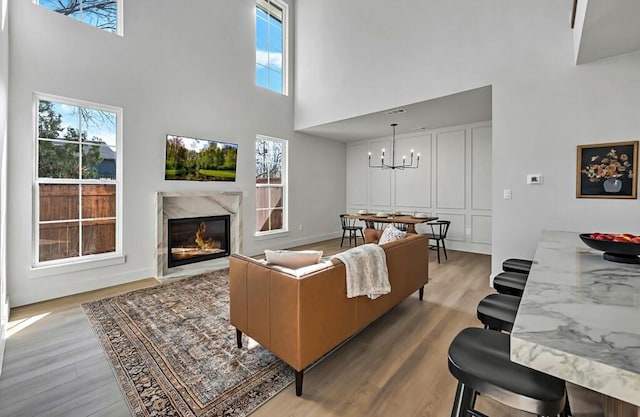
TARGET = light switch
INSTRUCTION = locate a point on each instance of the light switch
(507, 194)
(534, 179)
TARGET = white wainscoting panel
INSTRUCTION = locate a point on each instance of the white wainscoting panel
(357, 166)
(380, 180)
(457, 227)
(481, 228)
(450, 169)
(453, 181)
(413, 186)
(481, 168)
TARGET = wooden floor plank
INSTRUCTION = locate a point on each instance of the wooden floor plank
(395, 367)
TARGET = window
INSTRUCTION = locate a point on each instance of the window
(271, 31)
(271, 181)
(77, 181)
(103, 14)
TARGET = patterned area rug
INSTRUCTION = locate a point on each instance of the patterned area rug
(174, 352)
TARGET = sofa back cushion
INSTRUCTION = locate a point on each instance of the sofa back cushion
(292, 259)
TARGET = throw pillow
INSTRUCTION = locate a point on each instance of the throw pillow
(292, 259)
(390, 234)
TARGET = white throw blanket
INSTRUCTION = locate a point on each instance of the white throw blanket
(367, 272)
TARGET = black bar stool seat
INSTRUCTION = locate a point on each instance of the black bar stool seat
(498, 311)
(511, 283)
(479, 359)
(522, 266)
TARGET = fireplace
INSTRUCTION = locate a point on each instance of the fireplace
(197, 239)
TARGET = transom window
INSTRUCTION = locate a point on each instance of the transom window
(77, 181)
(271, 181)
(271, 56)
(103, 14)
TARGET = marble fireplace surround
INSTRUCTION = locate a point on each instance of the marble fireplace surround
(177, 205)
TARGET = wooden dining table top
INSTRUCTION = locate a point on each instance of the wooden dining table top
(401, 218)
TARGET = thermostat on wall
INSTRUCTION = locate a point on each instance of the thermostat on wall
(534, 179)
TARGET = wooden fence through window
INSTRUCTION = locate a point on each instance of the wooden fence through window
(62, 202)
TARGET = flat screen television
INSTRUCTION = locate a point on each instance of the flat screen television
(192, 159)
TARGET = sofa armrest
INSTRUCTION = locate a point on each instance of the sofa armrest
(372, 235)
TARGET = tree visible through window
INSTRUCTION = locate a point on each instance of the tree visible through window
(270, 184)
(270, 47)
(76, 181)
(102, 14)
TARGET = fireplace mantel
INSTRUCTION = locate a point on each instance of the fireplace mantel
(174, 205)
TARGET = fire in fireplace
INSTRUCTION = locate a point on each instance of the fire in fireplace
(198, 239)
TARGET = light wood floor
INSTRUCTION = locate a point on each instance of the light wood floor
(54, 365)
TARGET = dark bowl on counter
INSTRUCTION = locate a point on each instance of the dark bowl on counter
(614, 251)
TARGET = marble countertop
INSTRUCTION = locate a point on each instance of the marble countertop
(579, 318)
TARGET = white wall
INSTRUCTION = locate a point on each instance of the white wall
(4, 97)
(183, 68)
(543, 105)
(452, 182)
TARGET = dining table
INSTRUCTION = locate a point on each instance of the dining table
(579, 320)
(371, 220)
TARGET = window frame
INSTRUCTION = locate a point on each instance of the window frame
(285, 45)
(119, 17)
(83, 261)
(284, 185)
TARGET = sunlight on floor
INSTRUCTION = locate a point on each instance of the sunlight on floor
(18, 325)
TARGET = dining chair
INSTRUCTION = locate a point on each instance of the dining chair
(439, 229)
(349, 227)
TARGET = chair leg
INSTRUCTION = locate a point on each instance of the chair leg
(343, 233)
(444, 248)
(464, 400)
(438, 248)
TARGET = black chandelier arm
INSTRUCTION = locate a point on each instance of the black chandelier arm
(403, 166)
(393, 157)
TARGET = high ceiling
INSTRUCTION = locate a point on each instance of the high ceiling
(456, 109)
(604, 28)
(609, 28)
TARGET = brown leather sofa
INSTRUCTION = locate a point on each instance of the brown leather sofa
(302, 319)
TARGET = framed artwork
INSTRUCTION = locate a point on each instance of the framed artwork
(607, 170)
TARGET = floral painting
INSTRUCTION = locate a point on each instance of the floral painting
(607, 170)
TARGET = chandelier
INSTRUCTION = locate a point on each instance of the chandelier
(393, 165)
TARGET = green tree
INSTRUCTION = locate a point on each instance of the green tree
(61, 158)
(100, 13)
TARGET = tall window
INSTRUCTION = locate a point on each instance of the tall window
(103, 14)
(271, 57)
(77, 184)
(271, 181)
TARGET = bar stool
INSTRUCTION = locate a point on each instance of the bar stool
(511, 283)
(479, 360)
(522, 266)
(498, 311)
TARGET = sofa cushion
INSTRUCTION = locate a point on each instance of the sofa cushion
(390, 234)
(292, 259)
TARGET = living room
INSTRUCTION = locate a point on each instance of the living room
(189, 69)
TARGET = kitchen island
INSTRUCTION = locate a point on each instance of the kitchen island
(579, 319)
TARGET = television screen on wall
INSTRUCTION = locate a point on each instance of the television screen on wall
(191, 159)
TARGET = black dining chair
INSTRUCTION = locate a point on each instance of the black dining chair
(349, 227)
(439, 229)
